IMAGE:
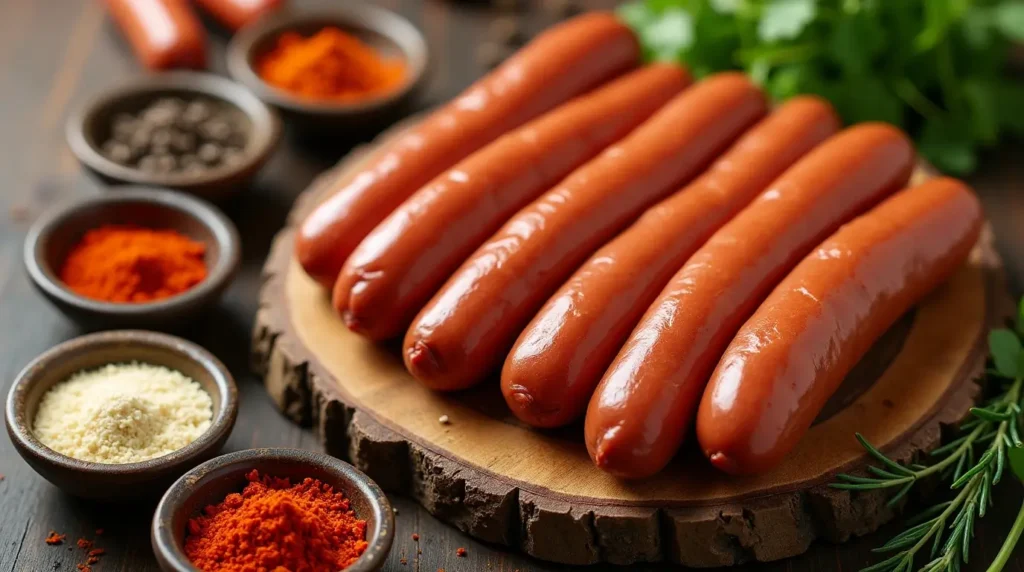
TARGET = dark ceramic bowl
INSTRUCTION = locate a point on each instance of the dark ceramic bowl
(52, 236)
(210, 482)
(130, 480)
(388, 32)
(89, 126)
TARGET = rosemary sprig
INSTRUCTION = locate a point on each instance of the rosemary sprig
(974, 462)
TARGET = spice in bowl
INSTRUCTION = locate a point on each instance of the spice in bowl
(126, 264)
(123, 413)
(275, 525)
(175, 135)
(331, 65)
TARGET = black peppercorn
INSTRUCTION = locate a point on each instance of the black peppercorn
(177, 135)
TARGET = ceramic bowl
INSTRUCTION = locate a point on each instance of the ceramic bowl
(210, 482)
(89, 126)
(130, 480)
(55, 233)
(388, 32)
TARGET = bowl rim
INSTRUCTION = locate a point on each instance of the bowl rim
(357, 15)
(379, 539)
(266, 127)
(222, 421)
(224, 232)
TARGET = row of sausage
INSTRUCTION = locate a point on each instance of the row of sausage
(627, 246)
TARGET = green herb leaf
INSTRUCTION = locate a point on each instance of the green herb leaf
(1009, 18)
(670, 34)
(726, 6)
(980, 98)
(1008, 97)
(785, 19)
(636, 14)
(1016, 456)
(1020, 307)
(853, 44)
(1005, 348)
(933, 67)
(978, 26)
(949, 145)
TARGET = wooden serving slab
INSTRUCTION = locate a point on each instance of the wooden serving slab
(503, 482)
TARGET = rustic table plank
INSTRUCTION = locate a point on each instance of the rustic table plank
(54, 53)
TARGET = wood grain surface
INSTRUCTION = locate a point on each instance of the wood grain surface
(54, 53)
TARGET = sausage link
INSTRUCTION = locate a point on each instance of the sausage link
(563, 62)
(163, 33)
(557, 361)
(645, 402)
(466, 330)
(234, 14)
(402, 263)
(795, 351)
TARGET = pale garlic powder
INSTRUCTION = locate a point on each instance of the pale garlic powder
(123, 413)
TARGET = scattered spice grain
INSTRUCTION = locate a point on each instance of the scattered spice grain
(443, 420)
(99, 532)
(84, 544)
(460, 552)
(415, 537)
(54, 539)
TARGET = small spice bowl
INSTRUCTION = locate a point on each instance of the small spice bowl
(130, 480)
(53, 236)
(389, 33)
(93, 124)
(210, 482)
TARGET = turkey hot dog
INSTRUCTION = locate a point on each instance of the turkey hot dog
(792, 354)
(399, 266)
(645, 402)
(563, 62)
(557, 361)
(465, 331)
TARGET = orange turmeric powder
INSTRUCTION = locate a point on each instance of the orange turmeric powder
(117, 263)
(331, 65)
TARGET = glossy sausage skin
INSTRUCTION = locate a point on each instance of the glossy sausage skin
(563, 62)
(644, 404)
(466, 330)
(234, 14)
(402, 263)
(559, 358)
(163, 33)
(795, 351)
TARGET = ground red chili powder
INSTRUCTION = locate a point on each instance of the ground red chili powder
(276, 526)
(54, 539)
(116, 263)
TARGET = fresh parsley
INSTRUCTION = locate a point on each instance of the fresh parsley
(933, 67)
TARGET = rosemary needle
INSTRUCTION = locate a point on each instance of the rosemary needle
(972, 462)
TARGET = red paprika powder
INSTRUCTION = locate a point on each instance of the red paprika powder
(116, 263)
(276, 526)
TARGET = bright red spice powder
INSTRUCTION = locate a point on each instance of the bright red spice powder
(276, 526)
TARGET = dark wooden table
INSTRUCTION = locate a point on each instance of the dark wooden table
(55, 52)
